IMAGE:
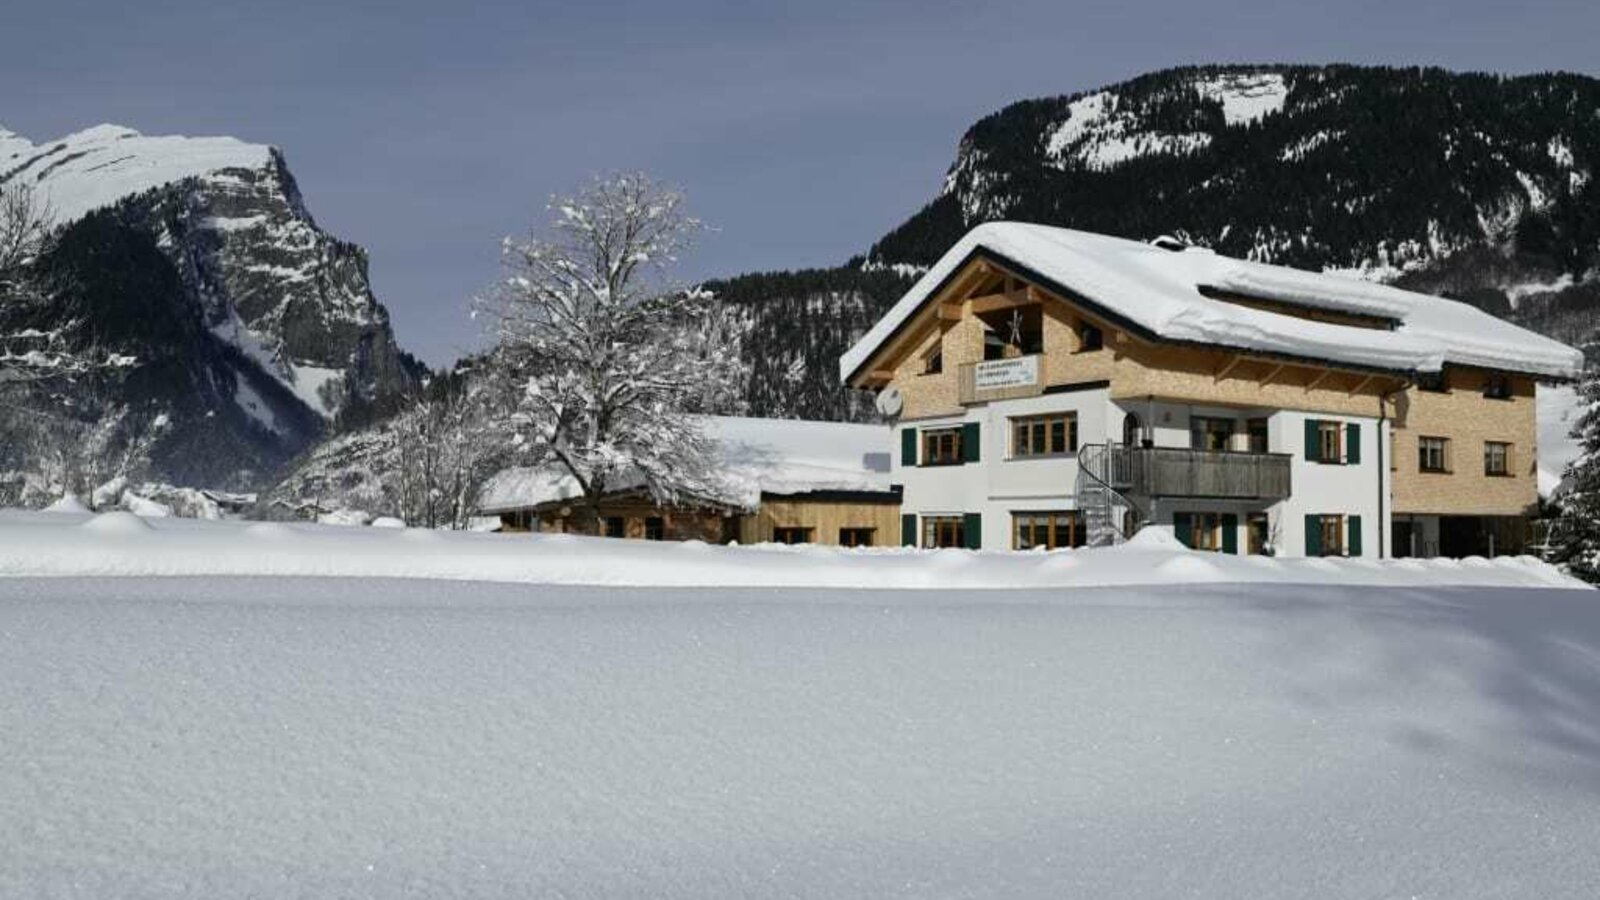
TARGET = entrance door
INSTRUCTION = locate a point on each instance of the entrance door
(1401, 546)
(1131, 435)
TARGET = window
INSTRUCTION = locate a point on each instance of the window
(1329, 442)
(943, 531)
(1044, 435)
(1496, 458)
(1497, 387)
(615, 527)
(1257, 430)
(1433, 382)
(1049, 530)
(1433, 454)
(941, 447)
(1332, 528)
(1258, 533)
(1010, 333)
(1206, 531)
(857, 537)
(655, 529)
(1207, 433)
(933, 363)
(785, 534)
(1090, 338)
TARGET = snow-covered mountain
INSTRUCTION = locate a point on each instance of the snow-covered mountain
(272, 330)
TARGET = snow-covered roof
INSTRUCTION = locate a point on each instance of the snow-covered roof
(99, 166)
(756, 456)
(1158, 292)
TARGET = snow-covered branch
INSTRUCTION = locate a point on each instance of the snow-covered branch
(606, 358)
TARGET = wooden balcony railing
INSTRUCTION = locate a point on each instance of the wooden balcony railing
(1182, 472)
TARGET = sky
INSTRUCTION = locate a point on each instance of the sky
(802, 131)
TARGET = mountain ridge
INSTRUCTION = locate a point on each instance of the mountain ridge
(281, 334)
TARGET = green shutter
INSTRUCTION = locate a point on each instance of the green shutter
(1353, 539)
(972, 529)
(1230, 533)
(1352, 444)
(1313, 441)
(1183, 527)
(908, 530)
(1313, 535)
(908, 447)
(969, 442)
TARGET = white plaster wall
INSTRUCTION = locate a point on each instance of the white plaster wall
(998, 485)
(1321, 489)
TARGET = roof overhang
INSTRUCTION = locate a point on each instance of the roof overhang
(1099, 310)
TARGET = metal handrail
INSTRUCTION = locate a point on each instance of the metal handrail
(1093, 461)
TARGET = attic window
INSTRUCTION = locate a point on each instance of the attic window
(1498, 387)
(933, 363)
(1009, 333)
(1090, 337)
(1433, 382)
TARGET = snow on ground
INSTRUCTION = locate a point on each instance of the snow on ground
(235, 737)
(1559, 409)
(121, 544)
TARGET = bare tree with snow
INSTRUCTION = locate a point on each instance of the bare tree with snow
(446, 447)
(608, 358)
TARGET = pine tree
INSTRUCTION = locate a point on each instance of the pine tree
(1575, 534)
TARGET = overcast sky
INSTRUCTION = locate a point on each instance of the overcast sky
(426, 131)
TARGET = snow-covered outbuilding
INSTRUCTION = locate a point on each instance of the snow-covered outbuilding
(777, 480)
(1055, 387)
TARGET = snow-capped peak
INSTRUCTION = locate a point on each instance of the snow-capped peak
(98, 166)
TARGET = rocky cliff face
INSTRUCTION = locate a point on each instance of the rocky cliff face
(275, 332)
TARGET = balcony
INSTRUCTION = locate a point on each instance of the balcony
(1182, 472)
(1000, 379)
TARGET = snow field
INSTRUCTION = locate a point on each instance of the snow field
(120, 544)
(247, 737)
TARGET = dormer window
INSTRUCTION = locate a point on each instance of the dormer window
(1090, 337)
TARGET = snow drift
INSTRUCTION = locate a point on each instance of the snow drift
(64, 544)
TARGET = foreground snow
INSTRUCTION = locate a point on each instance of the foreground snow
(122, 544)
(233, 737)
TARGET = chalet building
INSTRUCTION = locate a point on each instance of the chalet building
(779, 481)
(1054, 388)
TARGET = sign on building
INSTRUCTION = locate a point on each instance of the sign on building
(1005, 373)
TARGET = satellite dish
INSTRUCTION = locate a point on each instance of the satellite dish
(890, 402)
